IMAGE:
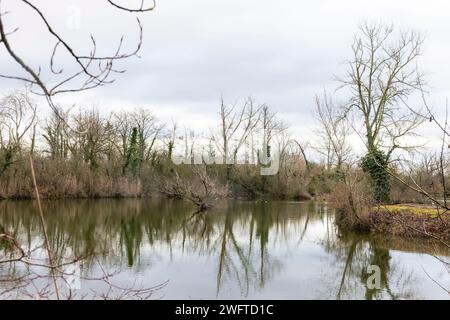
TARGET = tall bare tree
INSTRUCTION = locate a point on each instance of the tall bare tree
(236, 125)
(270, 127)
(17, 117)
(123, 125)
(149, 130)
(382, 75)
(55, 134)
(90, 139)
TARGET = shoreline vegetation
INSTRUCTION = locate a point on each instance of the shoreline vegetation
(411, 220)
(365, 155)
(122, 156)
(84, 153)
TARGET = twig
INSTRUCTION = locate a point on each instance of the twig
(44, 227)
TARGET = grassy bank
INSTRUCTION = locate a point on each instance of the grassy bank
(411, 220)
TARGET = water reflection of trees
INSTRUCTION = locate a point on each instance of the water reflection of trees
(352, 254)
(243, 238)
(359, 257)
(116, 231)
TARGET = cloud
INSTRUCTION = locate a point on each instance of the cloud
(279, 52)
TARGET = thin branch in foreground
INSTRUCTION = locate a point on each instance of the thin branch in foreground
(44, 227)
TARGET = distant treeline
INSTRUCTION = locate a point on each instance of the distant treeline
(83, 153)
(86, 154)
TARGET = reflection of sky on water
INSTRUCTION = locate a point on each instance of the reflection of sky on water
(244, 250)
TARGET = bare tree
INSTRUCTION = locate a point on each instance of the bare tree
(17, 120)
(382, 74)
(302, 151)
(200, 188)
(236, 125)
(432, 184)
(189, 139)
(17, 117)
(333, 133)
(95, 69)
(170, 138)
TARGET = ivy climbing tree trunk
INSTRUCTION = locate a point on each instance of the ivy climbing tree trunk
(132, 158)
(382, 74)
(375, 163)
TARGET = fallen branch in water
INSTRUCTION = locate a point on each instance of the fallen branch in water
(200, 189)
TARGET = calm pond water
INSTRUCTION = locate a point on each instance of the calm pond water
(242, 249)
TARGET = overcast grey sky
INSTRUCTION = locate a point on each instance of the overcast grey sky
(279, 52)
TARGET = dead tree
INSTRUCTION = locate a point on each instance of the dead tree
(199, 188)
(271, 127)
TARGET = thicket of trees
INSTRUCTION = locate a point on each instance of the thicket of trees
(83, 153)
